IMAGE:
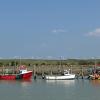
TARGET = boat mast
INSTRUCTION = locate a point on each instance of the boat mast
(20, 60)
(61, 64)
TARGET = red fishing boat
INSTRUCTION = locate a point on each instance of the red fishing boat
(23, 73)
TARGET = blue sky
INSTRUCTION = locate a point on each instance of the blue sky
(50, 28)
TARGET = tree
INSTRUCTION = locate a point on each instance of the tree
(1, 64)
(13, 63)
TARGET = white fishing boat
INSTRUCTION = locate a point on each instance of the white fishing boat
(66, 76)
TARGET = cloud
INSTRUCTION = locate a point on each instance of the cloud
(95, 33)
(59, 31)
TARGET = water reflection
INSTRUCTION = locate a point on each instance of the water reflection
(61, 82)
(25, 82)
(95, 82)
(15, 82)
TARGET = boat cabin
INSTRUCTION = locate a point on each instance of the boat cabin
(23, 71)
(66, 72)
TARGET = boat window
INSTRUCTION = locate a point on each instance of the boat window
(66, 72)
(20, 71)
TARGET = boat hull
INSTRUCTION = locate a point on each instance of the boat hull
(7, 77)
(27, 75)
(24, 76)
(67, 77)
(94, 77)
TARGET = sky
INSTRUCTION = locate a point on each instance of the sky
(50, 28)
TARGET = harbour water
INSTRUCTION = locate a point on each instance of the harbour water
(50, 90)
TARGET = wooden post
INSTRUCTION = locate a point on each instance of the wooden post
(34, 73)
(51, 69)
(82, 73)
(42, 70)
(3, 70)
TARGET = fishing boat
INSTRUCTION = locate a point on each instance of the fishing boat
(23, 73)
(95, 74)
(66, 76)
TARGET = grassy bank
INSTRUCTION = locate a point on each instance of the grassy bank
(40, 67)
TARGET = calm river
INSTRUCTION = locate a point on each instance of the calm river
(50, 90)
